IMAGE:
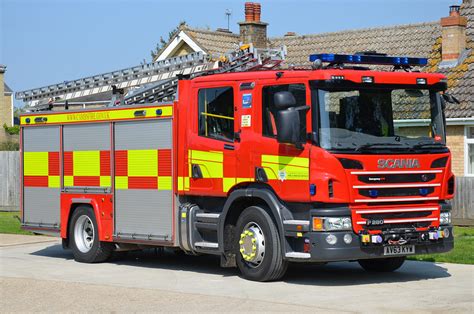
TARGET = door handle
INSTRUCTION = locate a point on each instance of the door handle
(229, 147)
(196, 171)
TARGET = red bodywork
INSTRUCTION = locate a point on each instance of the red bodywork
(240, 162)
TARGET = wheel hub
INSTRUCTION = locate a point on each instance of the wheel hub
(84, 234)
(252, 244)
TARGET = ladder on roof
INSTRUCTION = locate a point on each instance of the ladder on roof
(243, 60)
(157, 79)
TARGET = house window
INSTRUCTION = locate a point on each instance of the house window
(216, 113)
(469, 151)
(268, 108)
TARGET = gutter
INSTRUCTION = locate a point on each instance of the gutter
(423, 122)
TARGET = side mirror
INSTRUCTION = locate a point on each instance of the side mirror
(284, 100)
(288, 126)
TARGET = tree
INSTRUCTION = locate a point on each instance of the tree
(162, 43)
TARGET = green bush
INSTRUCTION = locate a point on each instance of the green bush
(12, 130)
(9, 146)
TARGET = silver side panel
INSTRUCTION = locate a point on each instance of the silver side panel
(144, 213)
(41, 139)
(86, 137)
(154, 134)
(41, 207)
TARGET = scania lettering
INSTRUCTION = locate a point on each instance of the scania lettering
(260, 165)
(398, 163)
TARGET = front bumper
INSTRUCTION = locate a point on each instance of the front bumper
(321, 251)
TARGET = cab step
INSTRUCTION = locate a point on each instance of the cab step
(206, 245)
(298, 255)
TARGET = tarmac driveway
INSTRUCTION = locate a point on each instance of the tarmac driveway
(42, 276)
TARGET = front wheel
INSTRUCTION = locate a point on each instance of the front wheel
(83, 233)
(382, 264)
(258, 248)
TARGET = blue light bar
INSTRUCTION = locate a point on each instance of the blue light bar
(368, 59)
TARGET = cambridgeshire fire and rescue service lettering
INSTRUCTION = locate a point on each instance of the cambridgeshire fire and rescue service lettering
(398, 163)
(151, 112)
(88, 116)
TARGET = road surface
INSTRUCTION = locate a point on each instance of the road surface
(36, 274)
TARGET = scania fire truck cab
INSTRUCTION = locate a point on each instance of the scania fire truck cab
(261, 168)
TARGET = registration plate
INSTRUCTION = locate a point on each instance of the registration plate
(399, 250)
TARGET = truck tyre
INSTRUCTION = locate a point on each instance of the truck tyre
(84, 238)
(258, 247)
(382, 264)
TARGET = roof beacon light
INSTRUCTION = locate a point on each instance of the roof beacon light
(368, 59)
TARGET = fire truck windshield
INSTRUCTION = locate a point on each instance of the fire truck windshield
(382, 119)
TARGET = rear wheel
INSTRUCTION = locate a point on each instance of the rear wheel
(382, 264)
(84, 237)
(258, 247)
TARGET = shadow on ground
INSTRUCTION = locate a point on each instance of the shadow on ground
(331, 274)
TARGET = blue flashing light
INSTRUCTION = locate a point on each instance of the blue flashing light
(312, 189)
(373, 193)
(423, 192)
(159, 112)
(368, 59)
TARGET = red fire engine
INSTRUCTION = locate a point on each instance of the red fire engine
(261, 168)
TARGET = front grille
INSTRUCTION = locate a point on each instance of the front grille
(407, 225)
(396, 215)
(396, 192)
(396, 178)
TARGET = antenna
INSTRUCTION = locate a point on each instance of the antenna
(228, 13)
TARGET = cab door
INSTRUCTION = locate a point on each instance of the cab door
(285, 167)
(211, 146)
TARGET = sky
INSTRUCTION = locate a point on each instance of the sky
(49, 41)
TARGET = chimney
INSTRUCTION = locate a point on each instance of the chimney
(253, 30)
(453, 34)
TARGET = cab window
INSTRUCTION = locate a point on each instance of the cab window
(216, 113)
(268, 108)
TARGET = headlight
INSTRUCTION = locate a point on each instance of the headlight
(445, 218)
(332, 224)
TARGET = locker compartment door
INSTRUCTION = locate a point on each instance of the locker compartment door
(143, 180)
(87, 157)
(41, 177)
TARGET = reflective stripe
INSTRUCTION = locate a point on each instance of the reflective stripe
(35, 163)
(86, 163)
(99, 115)
(228, 183)
(206, 155)
(143, 163)
(143, 169)
(87, 168)
(104, 181)
(54, 182)
(165, 183)
(285, 167)
(286, 160)
(121, 183)
(41, 169)
(183, 183)
(211, 163)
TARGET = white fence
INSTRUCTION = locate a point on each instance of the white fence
(10, 180)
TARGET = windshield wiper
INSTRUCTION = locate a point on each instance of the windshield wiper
(428, 145)
(369, 145)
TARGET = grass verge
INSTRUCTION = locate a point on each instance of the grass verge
(463, 252)
(10, 223)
